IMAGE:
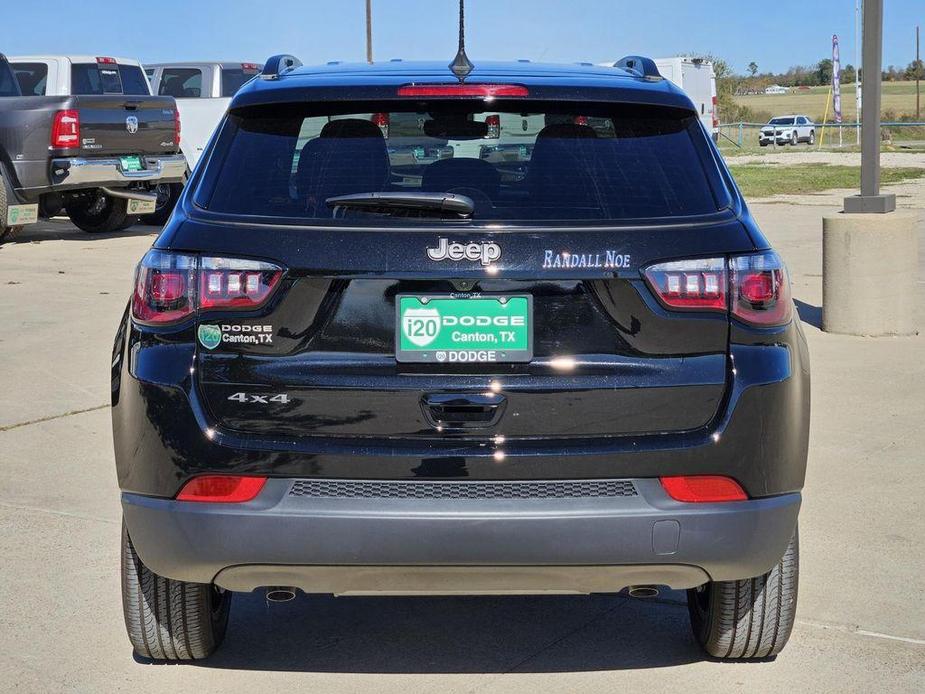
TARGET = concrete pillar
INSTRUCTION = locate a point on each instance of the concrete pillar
(869, 273)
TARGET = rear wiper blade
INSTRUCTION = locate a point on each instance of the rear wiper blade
(410, 203)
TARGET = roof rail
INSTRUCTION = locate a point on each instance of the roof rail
(278, 65)
(642, 66)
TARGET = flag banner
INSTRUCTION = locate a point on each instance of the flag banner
(836, 79)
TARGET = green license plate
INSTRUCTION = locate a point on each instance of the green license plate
(437, 328)
(132, 163)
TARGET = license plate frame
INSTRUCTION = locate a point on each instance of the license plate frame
(506, 313)
(136, 206)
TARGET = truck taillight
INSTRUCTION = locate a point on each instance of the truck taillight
(176, 127)
(494, 126)
(382, 120)
(754, 288)
(102, 60)
(170, 287)
(580, 120)
(65, 129)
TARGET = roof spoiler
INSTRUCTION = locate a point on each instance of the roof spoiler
(278, 65)
(642, 66)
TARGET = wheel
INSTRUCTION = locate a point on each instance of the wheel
(812, 137)
(794, 140)
(6, 233)
(751, 618)
(98, 213)
(130, 220)
(167, 619)
(167, 195)
(762, 144)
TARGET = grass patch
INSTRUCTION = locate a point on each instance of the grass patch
(765, 180)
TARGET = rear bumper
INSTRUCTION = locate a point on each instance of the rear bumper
(398, 545)
(76, 173)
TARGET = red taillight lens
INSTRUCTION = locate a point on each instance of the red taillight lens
(703, 488)
(459, 90)
(221, 489)
(171, 286)
(250, 67)
(382, 120)
(65, 129)
(580, 120)
(690, 284)
(760, 289)
(165, 285)
(494, 126)
(106, 61)
(176, 127)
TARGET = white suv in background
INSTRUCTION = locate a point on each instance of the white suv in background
(784, 130)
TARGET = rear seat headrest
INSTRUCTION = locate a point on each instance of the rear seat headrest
(351, 127)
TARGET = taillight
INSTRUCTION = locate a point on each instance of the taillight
(227, 283)
(65, 129)
(703, 488)
(580, 120)
(172, 286)
(382, 120)
(221, 489)
(494, 126)
(176, 127)
(754, 287)
(248, 67)
(760, 289)
(105, 61)
(487, 91)
(690, 284)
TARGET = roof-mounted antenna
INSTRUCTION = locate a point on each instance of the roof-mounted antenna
(461, 66)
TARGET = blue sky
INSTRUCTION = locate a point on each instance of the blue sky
(551, 30)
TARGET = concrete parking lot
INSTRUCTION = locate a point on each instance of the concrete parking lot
(861, 619)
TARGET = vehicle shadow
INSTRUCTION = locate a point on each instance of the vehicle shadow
(812, 315)
(458, 635)
(61, 229)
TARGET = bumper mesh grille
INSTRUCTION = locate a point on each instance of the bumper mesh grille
(369, 489)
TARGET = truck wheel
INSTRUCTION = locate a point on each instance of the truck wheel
(167, 619)
(98, 214)
(167, 195)
(6, 233)
(751, 618)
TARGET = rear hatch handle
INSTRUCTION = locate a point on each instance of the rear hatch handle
(455, 411)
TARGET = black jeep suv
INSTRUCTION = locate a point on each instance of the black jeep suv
(557, 356)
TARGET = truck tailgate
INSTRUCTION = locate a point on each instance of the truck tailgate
(119, 124)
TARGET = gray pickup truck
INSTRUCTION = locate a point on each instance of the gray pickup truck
(96, 156)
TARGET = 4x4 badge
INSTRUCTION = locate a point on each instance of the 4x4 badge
(486, 252)
(209, 336)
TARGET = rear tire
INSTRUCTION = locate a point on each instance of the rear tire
(751, 618)
(794, 140)
(812, 137)
(167, 196)
(99, 214)
(167, 619)
(6, 233)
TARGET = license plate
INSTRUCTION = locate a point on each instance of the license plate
(141, 206)
(21, 214)
(131, 163)
(439, 329)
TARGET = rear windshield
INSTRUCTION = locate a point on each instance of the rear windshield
(536, 164)
(108, 78)
(32, 78)
(234, 78)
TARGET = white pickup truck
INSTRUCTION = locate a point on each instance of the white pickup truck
(202, 91)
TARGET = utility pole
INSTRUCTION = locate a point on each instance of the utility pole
(369, 31)
(857, 70)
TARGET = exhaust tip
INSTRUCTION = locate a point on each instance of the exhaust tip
(280, 594)
(643, 591)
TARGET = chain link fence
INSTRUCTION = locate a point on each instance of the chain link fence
(744, 137)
